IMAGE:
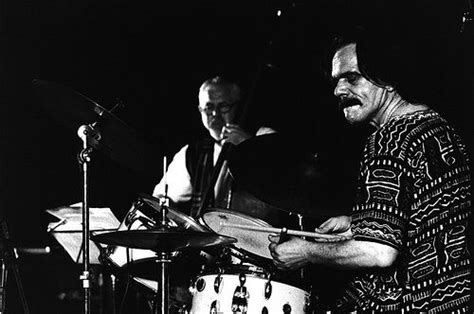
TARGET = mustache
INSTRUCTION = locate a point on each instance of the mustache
(217, 123)
(348, 102)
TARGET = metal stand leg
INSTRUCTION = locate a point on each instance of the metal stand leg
(86, 132)
(162, 293)
(9, 262)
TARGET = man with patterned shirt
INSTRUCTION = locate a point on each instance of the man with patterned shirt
(408, 250)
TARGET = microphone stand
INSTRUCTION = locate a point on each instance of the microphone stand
(89, 134)
(86, 133)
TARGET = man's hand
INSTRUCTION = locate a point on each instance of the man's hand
(291, 254)
(234, 134)
(339, 225)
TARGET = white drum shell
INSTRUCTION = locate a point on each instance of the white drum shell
(282, 294)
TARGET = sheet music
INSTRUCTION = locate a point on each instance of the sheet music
(68, 229)
(71, 218)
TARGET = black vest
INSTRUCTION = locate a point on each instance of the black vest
(199, 163)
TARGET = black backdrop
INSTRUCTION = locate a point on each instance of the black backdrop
(153, 55)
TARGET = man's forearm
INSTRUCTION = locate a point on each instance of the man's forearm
(351, 254)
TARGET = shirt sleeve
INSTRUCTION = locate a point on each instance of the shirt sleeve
(382, 208)
(265, 130)
(178, 179)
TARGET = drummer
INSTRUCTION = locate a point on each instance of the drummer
(190, 170)
(409, 250)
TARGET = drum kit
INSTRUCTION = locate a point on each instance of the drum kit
(222, 255)
(229, 271)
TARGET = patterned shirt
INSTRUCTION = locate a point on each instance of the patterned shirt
(414, 195)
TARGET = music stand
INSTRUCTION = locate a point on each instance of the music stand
(68, 230)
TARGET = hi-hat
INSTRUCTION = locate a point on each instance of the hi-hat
(167, 240)
(117, 140)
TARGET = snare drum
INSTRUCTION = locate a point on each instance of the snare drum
(246, 290)
(254, 242)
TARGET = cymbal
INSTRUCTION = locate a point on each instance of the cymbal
(117, 140)
(162, 240)
(182, 268)
(175, 215)
(281, 172)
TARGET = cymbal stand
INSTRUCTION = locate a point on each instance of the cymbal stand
(86, 133)
(164, 258)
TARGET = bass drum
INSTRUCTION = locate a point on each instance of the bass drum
(246, 289)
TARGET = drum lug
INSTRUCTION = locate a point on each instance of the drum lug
(215, 307)
(239, 301)
(200, 284)
(242, 279)
(218, 281)
(286, 308)
(268, 290)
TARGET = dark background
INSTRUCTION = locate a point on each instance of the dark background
(153, 55)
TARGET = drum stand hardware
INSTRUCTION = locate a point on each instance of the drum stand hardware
(268, 288)
(8, 258)
(162, 295)
(86, 133)
(218, 281)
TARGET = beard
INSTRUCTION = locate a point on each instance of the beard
(345, 102)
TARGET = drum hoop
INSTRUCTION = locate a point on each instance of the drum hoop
(248, 256)
(257, 221)
(235, 270)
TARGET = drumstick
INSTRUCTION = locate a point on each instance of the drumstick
(279, 230)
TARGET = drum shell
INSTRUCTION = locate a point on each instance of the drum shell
(206, 296)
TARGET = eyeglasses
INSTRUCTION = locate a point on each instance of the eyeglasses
(209, 108)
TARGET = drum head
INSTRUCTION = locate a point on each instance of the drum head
(255, 242)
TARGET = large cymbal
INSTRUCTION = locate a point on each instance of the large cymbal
(283, 173)
(118, 141)
(162, 240)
